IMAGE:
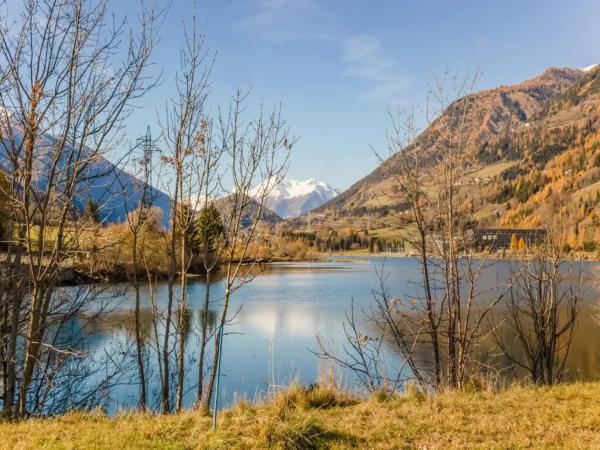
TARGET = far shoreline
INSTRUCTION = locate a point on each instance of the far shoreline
(508, 256)
(74, 276)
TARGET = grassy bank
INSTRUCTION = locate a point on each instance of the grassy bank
(561, 417)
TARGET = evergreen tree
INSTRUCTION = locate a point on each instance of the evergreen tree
(208, 230)
(91, 211)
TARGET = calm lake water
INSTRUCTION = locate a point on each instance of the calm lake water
(282, 311)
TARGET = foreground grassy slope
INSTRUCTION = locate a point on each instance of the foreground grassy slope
(561, 417)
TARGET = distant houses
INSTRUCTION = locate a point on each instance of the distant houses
(506, 238)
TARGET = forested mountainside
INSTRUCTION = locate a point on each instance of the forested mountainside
(531, 157)
(102, 182)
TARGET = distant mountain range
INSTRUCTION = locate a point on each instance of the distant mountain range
(113, 189)
(532, 154)
(292, 198)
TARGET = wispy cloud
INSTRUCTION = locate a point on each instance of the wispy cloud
(280, 21)
(366, 59)
(361, 56)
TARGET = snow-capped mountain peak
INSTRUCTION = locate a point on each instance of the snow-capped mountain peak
(588, 68)
(292, 198)
(293, 188)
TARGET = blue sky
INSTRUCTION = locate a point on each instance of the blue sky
(334, 65)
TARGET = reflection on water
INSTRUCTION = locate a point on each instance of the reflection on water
(279, 315)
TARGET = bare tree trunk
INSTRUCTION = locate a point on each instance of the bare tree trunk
(259, 154)
(139, 343)
(214, 373)
(11, 295)
(431, 317)
(165, 393)
(203, 342)
(56, 63)
(11, 356)
(34, 337)
(182, 328)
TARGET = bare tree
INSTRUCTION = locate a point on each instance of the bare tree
(63, 98)
(365, 354)
(410, 174)
(467, 301)
(183, 134)
(438, 330)
(258, 154)
(208, 236)
(541, 312)
(139, 217)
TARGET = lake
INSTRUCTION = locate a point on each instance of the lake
(272, 338)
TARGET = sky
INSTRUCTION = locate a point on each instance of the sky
(335, 65)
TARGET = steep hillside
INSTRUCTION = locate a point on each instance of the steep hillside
(532, 158)
(556, 175)
(115, 190)
(493, 113)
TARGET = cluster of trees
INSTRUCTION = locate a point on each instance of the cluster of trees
(333, 241)
(565, 191)
(523, 189)
(337, 242)
(575, 94)
(517, 244)
(70, 70)
(538, 144)
(111, 251)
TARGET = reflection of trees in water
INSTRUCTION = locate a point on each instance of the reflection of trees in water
(122, 321)
(73, 369)
(115, 332)
(583, 362)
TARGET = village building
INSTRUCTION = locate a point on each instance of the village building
(499, 238)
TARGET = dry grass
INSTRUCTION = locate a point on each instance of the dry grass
(301, 418)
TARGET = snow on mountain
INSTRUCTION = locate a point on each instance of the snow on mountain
(292, 198)
(588, 68)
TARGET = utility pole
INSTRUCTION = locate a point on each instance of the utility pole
(148, 146)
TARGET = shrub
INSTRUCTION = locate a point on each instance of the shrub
(382, 396)
(311, 397)
(589, 246)
(294, 434)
